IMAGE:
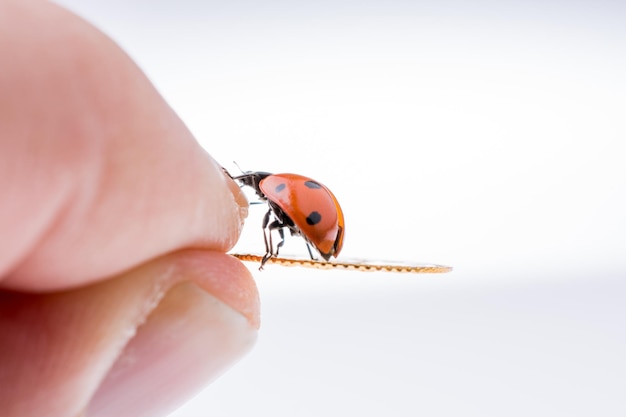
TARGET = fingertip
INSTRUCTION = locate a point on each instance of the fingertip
(225, 277)
(185, 317)
(200, 328)
(189, 340)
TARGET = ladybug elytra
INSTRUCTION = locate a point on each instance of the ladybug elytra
(301, 205)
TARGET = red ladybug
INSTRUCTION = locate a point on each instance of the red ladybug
(303, 206)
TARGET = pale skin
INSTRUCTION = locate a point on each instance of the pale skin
(116, 295)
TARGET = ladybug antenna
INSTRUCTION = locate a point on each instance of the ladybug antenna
(239, 168)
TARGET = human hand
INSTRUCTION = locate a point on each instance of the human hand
(116, 297)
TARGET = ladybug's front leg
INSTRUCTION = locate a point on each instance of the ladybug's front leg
(267, 237)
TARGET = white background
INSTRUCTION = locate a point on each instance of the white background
(488, 136)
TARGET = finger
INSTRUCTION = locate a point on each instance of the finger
(149, 338)
(98, 173)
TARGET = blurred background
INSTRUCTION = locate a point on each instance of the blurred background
(488, 136)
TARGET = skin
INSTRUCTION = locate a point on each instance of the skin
(116, 295)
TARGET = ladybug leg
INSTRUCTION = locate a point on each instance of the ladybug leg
(281, 232)
(308, 247)
(270, 248)
(267, 239)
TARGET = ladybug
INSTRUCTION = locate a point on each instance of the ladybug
(301, 205)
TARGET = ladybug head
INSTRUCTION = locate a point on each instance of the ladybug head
(253, 179)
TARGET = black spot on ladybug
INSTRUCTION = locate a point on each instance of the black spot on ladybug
(280, 187)
(313, 218)
(312, 184)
